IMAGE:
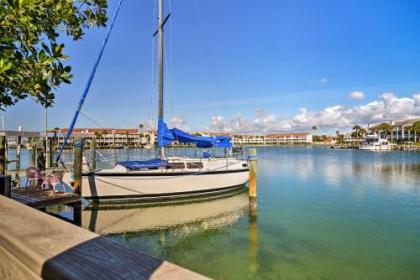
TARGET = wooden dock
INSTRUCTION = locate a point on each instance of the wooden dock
(38, 198)
(35, 245)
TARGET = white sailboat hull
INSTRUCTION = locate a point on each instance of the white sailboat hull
(119, 183)
(95, 186)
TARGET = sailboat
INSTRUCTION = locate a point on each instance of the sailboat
(168, 177)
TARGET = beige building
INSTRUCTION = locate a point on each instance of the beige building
(112, 137)
(289, 138)
(401, 131)
(128, 137)
(273, 139)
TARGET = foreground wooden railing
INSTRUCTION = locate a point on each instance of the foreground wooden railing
(36, 245)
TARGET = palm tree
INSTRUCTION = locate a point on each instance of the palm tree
(340, 137)
(141, 128)
(314, 128)
(362, 132)
(359, 132)
(56, 130)
(356, 131)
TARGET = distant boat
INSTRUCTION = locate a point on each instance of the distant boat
(168, 177)
(374, 142)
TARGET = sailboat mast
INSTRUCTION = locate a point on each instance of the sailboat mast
(160, 69)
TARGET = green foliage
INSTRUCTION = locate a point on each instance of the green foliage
(383, 127)
(415, 127)
(31, 56)
(358, 132)
(319, 138)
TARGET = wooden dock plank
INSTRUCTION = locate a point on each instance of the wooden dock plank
(12, 269)
(37, 198)
(54, 249)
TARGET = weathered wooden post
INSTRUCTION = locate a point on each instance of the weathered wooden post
(50, 151)
(40, 159)
(77, 165)
(18, 147)
(47, 152)
(33, 152)
(93, 151)
(3, 155)
(6, 185)
(252, 162)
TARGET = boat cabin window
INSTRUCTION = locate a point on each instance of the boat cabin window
(194, 164)
(176, 165)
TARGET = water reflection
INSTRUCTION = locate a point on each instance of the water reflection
(185, 217)
(393, 172)
(309, 223)
(253, 244)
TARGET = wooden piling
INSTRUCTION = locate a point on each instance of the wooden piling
(47, 152)
(33, 152)
(77, 165)
(3, 155)
(77, 212)
(5, 186)
(50, 152)
(252, 162)
(40, 158)
(18, 148)
(93, 151)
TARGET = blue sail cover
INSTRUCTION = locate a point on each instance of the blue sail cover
(223, 141)
(167, 136)
(199, 141)
(143, 164)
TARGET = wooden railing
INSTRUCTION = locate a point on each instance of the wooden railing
(36, 245)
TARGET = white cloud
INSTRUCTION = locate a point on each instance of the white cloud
(387, 107)
(323, 80)
(358, 95)
(179, 122)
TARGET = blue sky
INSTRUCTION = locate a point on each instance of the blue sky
(250, 65)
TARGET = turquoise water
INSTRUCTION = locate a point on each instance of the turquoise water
(322, 214)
